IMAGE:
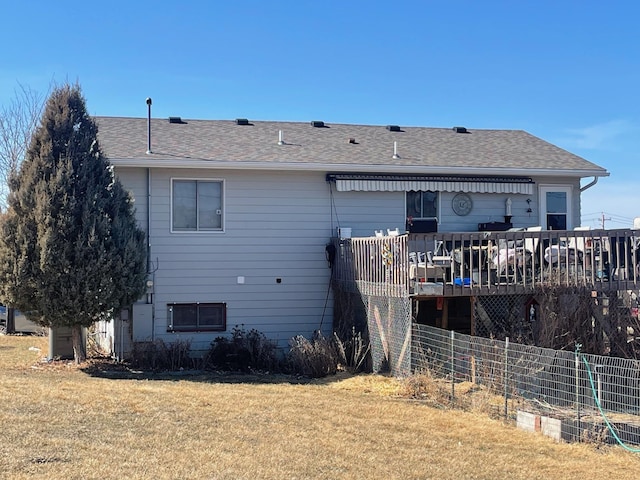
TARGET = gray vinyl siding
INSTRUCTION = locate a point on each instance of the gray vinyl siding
(135, 181)
(276, 225)
(487, 207)
(366, 212)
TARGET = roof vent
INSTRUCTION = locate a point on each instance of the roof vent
(395, 155)
(175, 120)
(317, 124)
(242, 121)
(460, 130)
(393, 128)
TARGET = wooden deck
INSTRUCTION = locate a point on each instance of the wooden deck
(489, 263)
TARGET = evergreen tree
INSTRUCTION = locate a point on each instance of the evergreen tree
(70, 250)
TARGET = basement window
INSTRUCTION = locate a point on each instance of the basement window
(197, 317)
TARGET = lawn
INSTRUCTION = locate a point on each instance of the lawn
(59, 421)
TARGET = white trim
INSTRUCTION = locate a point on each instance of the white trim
(154, 162)
(223, 200)
(542, 202)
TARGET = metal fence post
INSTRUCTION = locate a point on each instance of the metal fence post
(453, 367)
(542, 376)
(506, 372)
(578, 426)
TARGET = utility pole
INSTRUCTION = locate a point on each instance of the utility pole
(603, 219)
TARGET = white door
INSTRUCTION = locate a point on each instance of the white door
(555, 207)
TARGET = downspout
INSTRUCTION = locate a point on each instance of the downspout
(149, 263)
(150, 279)
(590, 184)
(121, 355)
(149, 299)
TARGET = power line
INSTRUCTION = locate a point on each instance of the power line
(620, 217)
(603, 217)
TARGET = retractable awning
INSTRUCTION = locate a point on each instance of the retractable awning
(432, 183)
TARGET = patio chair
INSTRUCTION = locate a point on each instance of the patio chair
(582, 247)
(531, 245)
(508, 263)
(620, 258)
(423, 269)
(441, 257)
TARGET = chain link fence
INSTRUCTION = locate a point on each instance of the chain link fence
(573, 394)
(501, 316)
(603, 322)
(520, 349)
(384, 320)
(389, 325)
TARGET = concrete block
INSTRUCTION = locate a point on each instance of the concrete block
(527, 421)
(551, 427)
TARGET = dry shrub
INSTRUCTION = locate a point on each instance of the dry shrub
(467, 396)
(355, 351)
(425, 386)
(315, 358)
(595, 434)
(161, 356)
(243, 351)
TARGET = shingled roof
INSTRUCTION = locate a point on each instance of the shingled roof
(337, 147)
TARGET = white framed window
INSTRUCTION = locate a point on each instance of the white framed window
(196, 317)
(556, 207)
(422, 204)
(197, 205)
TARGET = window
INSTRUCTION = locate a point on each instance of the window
(195, 317)
(555, 207)
(422, 204)
(196, 205)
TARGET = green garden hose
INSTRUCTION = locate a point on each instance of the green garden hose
(606, 420)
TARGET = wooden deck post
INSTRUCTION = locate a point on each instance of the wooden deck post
(445, 313)
(472, 327)
(472, 301)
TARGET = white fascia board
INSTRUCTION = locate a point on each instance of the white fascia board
(152, 162)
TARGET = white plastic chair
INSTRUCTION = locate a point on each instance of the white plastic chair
(531, 244)
(578, 242)
(442, 258)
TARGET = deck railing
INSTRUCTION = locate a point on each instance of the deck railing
(467, 263)
(375, 265)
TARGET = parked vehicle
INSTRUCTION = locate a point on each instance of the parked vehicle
(14, 321)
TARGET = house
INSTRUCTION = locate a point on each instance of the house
(239, 213)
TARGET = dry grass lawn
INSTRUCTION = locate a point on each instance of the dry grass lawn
(59, 421)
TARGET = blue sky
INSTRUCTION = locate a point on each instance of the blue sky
(566, 71)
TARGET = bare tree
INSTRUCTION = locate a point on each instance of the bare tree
(18, 120)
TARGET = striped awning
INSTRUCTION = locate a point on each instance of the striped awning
(431, 183)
